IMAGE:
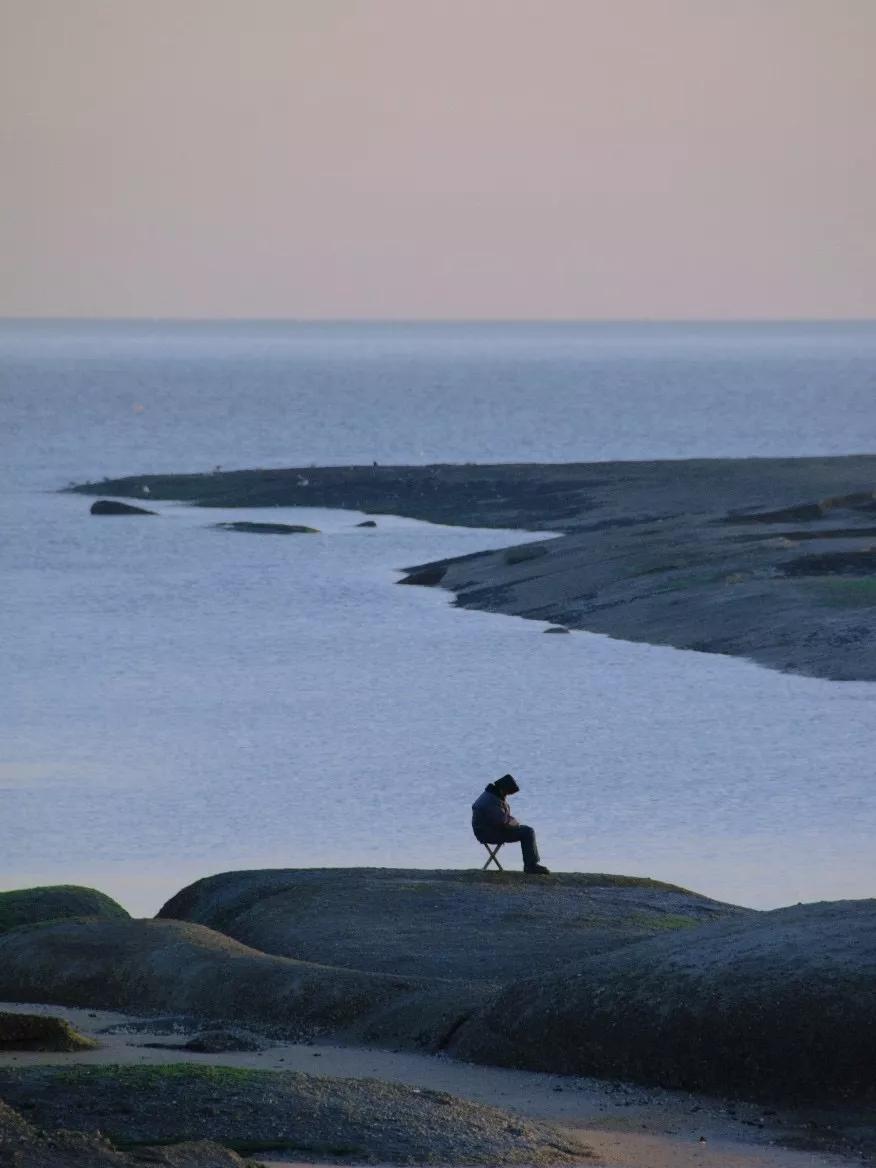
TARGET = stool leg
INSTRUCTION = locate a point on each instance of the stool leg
(492, 858)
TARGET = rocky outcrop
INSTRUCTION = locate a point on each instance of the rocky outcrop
(425, 577)
(860, 562)
(779, 1005)
(28, 906)
(182, 968)
(306, 1116)
(112, 507)
(378, 955)
(863, 501)
(467, 925)
(221, 1041)
(696, 554)
(39, 1032)
(625, 977)
(22, 1145)
(269, 528)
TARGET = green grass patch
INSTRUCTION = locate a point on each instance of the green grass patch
(145, 1078)
(846, 592)
(518, 881)
(663, 921)
(245, 1147)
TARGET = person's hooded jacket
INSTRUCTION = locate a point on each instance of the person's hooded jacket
(489, 814)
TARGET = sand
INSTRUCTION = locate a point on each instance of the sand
(627, 1126)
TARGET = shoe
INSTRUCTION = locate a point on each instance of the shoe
(537, 870)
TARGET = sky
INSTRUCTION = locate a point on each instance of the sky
(487, 159)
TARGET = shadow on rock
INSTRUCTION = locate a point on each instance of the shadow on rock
(780, 1006)
(143, 966)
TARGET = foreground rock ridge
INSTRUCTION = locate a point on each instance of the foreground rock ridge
(769, 559)
(23, 1145)
(246, 1110)
(779, 1005)
(608, 976)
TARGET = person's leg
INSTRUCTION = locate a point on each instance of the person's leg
(529, 847)
(525, 836)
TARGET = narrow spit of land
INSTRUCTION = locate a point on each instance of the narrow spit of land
(769, 559)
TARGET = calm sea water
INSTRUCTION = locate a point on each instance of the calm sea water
(179, 700)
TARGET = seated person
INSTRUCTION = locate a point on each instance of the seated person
(493, 823)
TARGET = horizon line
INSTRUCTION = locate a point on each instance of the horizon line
(147, 318)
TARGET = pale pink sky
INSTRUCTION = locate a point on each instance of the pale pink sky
(438, 158)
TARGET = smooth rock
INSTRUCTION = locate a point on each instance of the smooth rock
(39, 1032)
(145, 966)
(778, 1005)
(219, 1041)
(111, 507)
(269, 528)
(29, 906)
(430, 924)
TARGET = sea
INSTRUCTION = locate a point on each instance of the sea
(179, 700)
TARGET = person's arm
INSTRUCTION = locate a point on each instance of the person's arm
(491, 812)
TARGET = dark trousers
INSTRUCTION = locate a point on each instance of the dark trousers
(523, 835)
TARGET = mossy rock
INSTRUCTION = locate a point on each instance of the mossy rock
(361, 1120)
(439, 924)
(142, 966)
(22, 1145)
(39, 1032)
(30, 906)
(778, 1006)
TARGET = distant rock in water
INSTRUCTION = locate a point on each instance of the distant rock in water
(111, 507)
(269, 528)
(367, 523)
(557, 629)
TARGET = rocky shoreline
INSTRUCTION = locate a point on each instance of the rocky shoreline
(627, 979)
(769, 559)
